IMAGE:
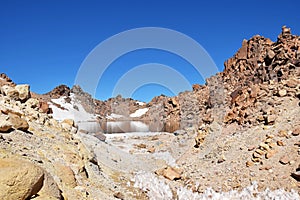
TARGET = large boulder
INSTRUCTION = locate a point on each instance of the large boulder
(19, 179)
(24, 92)
(10, 92)
(17, 122)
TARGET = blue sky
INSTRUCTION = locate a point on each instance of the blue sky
(44, 43)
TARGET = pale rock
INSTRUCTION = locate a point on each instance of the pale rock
(5, 124)
(66, 175)
(296, 131)
(284, 160)
(270, 154)
(292, 83)
(170, 173)
(19, 179)
(282, 93)
(67, 124)
(271, 119)
(271, 54)
(260, 152)
(32, 103)
(280, 143)
(17, 122)
(24, 91)
(10, 92)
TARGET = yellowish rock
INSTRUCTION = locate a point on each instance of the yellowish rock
(19, 179)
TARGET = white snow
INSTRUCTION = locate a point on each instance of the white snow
(158, 189)
(69, 111)
(114, 116)
(139, 112)
(140, 103)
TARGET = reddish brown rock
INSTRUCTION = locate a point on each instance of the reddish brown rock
(44, 107)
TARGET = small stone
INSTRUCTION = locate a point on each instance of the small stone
(282, 93)
(268, 141)
(265, 167)
(271, 54)
(171, 173)
(283, 133)
(260, 152)
(222, 159)
(271, 119)
(269, 136)
(251, 148)
(284, 160)
(119, 195)
(249, 163)
(151, 150)
(264, 146)
(280, 143)
(296, 131)
(141, 146)
(270, 154)
(272, 145)
(256, 155)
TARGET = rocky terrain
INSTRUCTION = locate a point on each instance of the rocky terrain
(236, 137)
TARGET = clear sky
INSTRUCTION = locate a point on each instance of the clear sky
(44, 43)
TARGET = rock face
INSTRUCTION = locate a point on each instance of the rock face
(61, 90)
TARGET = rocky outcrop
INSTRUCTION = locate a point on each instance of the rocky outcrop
(262, 70)
(61, 90)
(5, 80)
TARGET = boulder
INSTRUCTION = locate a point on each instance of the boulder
(66, 175)
(67, 124)
(19, 179)
(10, 92)
(5, 124)
(32, 103)
(24, 92)
(17, 122)
(44, 107)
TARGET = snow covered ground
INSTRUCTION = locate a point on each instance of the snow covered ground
(157, 189)
(114, 116)
(72, 110)
(139, 112)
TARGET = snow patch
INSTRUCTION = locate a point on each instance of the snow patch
(139, 112)
(158, 189)
(140, 103)
(114, 116)
(73, 110)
